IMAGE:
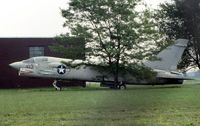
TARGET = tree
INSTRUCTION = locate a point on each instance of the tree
(181, 19)
(116, 34)
(75, 47)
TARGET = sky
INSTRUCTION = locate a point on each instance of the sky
(35, 18)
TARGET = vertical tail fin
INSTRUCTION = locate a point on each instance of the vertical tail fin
(169, 57)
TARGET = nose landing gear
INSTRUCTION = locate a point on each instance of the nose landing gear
(56, 85)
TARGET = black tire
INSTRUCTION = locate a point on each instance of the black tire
(122, 86)
(58, 84)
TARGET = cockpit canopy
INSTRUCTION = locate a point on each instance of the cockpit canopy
(31, 60)
(36, 59)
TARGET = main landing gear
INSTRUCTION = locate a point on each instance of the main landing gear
(112, 85)
(56, 85)
(121, 85)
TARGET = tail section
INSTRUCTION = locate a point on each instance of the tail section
(169, 57)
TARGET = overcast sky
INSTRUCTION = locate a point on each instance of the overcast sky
(34, 18)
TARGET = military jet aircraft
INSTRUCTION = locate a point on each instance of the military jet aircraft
(56, 68)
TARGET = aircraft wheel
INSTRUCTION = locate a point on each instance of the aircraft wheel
(122, 86)
(59, 86)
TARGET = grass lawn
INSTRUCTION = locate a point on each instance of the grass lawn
(92, 106)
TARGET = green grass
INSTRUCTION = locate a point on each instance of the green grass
(136, 106)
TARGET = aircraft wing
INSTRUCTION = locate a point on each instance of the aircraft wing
(172, 75)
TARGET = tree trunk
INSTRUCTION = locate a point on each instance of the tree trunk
(197, 51)
(116, 76)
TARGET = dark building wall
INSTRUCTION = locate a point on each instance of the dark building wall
(16, 49)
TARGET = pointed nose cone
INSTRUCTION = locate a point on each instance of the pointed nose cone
(16, 65)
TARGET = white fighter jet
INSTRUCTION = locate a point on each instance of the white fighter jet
(56, 68)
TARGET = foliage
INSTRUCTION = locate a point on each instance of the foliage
(141, 72)
(171, 21)
(75, 47)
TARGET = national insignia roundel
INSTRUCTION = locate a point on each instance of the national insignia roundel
(61, 69)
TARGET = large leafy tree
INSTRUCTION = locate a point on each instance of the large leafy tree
(116, 35)
(181, 19)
